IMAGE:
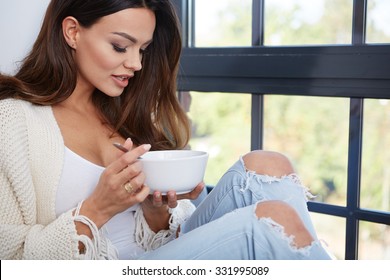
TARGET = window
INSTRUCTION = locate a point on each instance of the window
(315, 22)
(375, 177)
(378, 21)
(222, 23)
(308, 131)
(224, 133)
(308, 79)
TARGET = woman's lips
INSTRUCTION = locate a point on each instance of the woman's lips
(121, 80)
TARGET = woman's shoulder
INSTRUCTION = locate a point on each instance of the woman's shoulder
(13, 107)
(19, 115)
(13, 125)
(12, 104)
(15, 112)
(12, 115)
(9, 107)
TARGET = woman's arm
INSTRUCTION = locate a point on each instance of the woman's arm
(158, 208)
(156, 212)
(159, 217)
(29, 228)
(25, 229)
(21, 235)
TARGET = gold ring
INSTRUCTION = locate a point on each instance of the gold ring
(128, 187)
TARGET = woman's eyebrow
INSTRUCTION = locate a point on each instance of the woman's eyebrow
(126, 36)
(129, 37)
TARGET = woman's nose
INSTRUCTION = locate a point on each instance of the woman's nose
(134, 61)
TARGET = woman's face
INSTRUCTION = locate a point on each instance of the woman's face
(109, 52)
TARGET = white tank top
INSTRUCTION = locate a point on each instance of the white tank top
(78, 180)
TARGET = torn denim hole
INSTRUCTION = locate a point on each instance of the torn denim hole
(267, 179)
(279, 230)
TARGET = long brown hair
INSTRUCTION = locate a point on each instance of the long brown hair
(148, 110)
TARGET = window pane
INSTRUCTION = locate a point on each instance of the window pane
(375, 179)
(378, 21)
(374, 241)
(221, 125)
(331, 230)
(313, 133)
(223, 23)
(301, 22)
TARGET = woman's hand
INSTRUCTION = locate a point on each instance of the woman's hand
(120, 186)
(156, 206)
(170, 199)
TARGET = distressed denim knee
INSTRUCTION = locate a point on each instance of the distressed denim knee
(227, 220)
(237, 235)
(240, 187)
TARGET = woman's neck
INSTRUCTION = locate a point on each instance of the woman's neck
(79, 101)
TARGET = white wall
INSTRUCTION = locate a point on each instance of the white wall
(20, 21)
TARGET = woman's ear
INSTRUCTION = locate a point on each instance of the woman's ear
(70, 29)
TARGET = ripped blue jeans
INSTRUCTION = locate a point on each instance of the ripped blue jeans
(225, 226)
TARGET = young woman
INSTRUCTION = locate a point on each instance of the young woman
(102, 72)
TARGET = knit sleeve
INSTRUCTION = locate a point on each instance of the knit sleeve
(29, 228)
(149, 240)
(22, 234)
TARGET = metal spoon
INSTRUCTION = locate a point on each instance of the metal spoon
(123, 149)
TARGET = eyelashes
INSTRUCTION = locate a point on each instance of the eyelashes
(123, 50)
(118, 49)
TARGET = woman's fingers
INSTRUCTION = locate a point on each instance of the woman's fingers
(128, 158)
(120, 186)
(128, 144)
(172, 199)
(157, 199)
(133, 173)
(141, 194)
(194, 193)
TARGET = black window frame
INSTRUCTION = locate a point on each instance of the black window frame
(356, 71)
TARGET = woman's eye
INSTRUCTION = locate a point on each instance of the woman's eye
(119, 49)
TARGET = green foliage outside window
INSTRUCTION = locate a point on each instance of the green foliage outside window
(312, 131)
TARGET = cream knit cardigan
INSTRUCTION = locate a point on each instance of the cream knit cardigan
(31, 159)
(31, 162)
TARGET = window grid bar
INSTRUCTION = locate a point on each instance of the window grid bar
(257, 121)
(257, 102)
(257, 22)
(367, 215)
(359, 22)
(355, 143)
(191, 14)
(354, 172)
(351, 212)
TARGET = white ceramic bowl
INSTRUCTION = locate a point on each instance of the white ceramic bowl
(179, 170)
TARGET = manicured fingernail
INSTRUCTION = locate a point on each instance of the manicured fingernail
(128, 142)
(147, 147)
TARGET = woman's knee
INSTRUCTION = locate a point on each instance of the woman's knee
(268, 163)
(284, 215)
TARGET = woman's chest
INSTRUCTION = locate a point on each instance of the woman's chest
(89, 138)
